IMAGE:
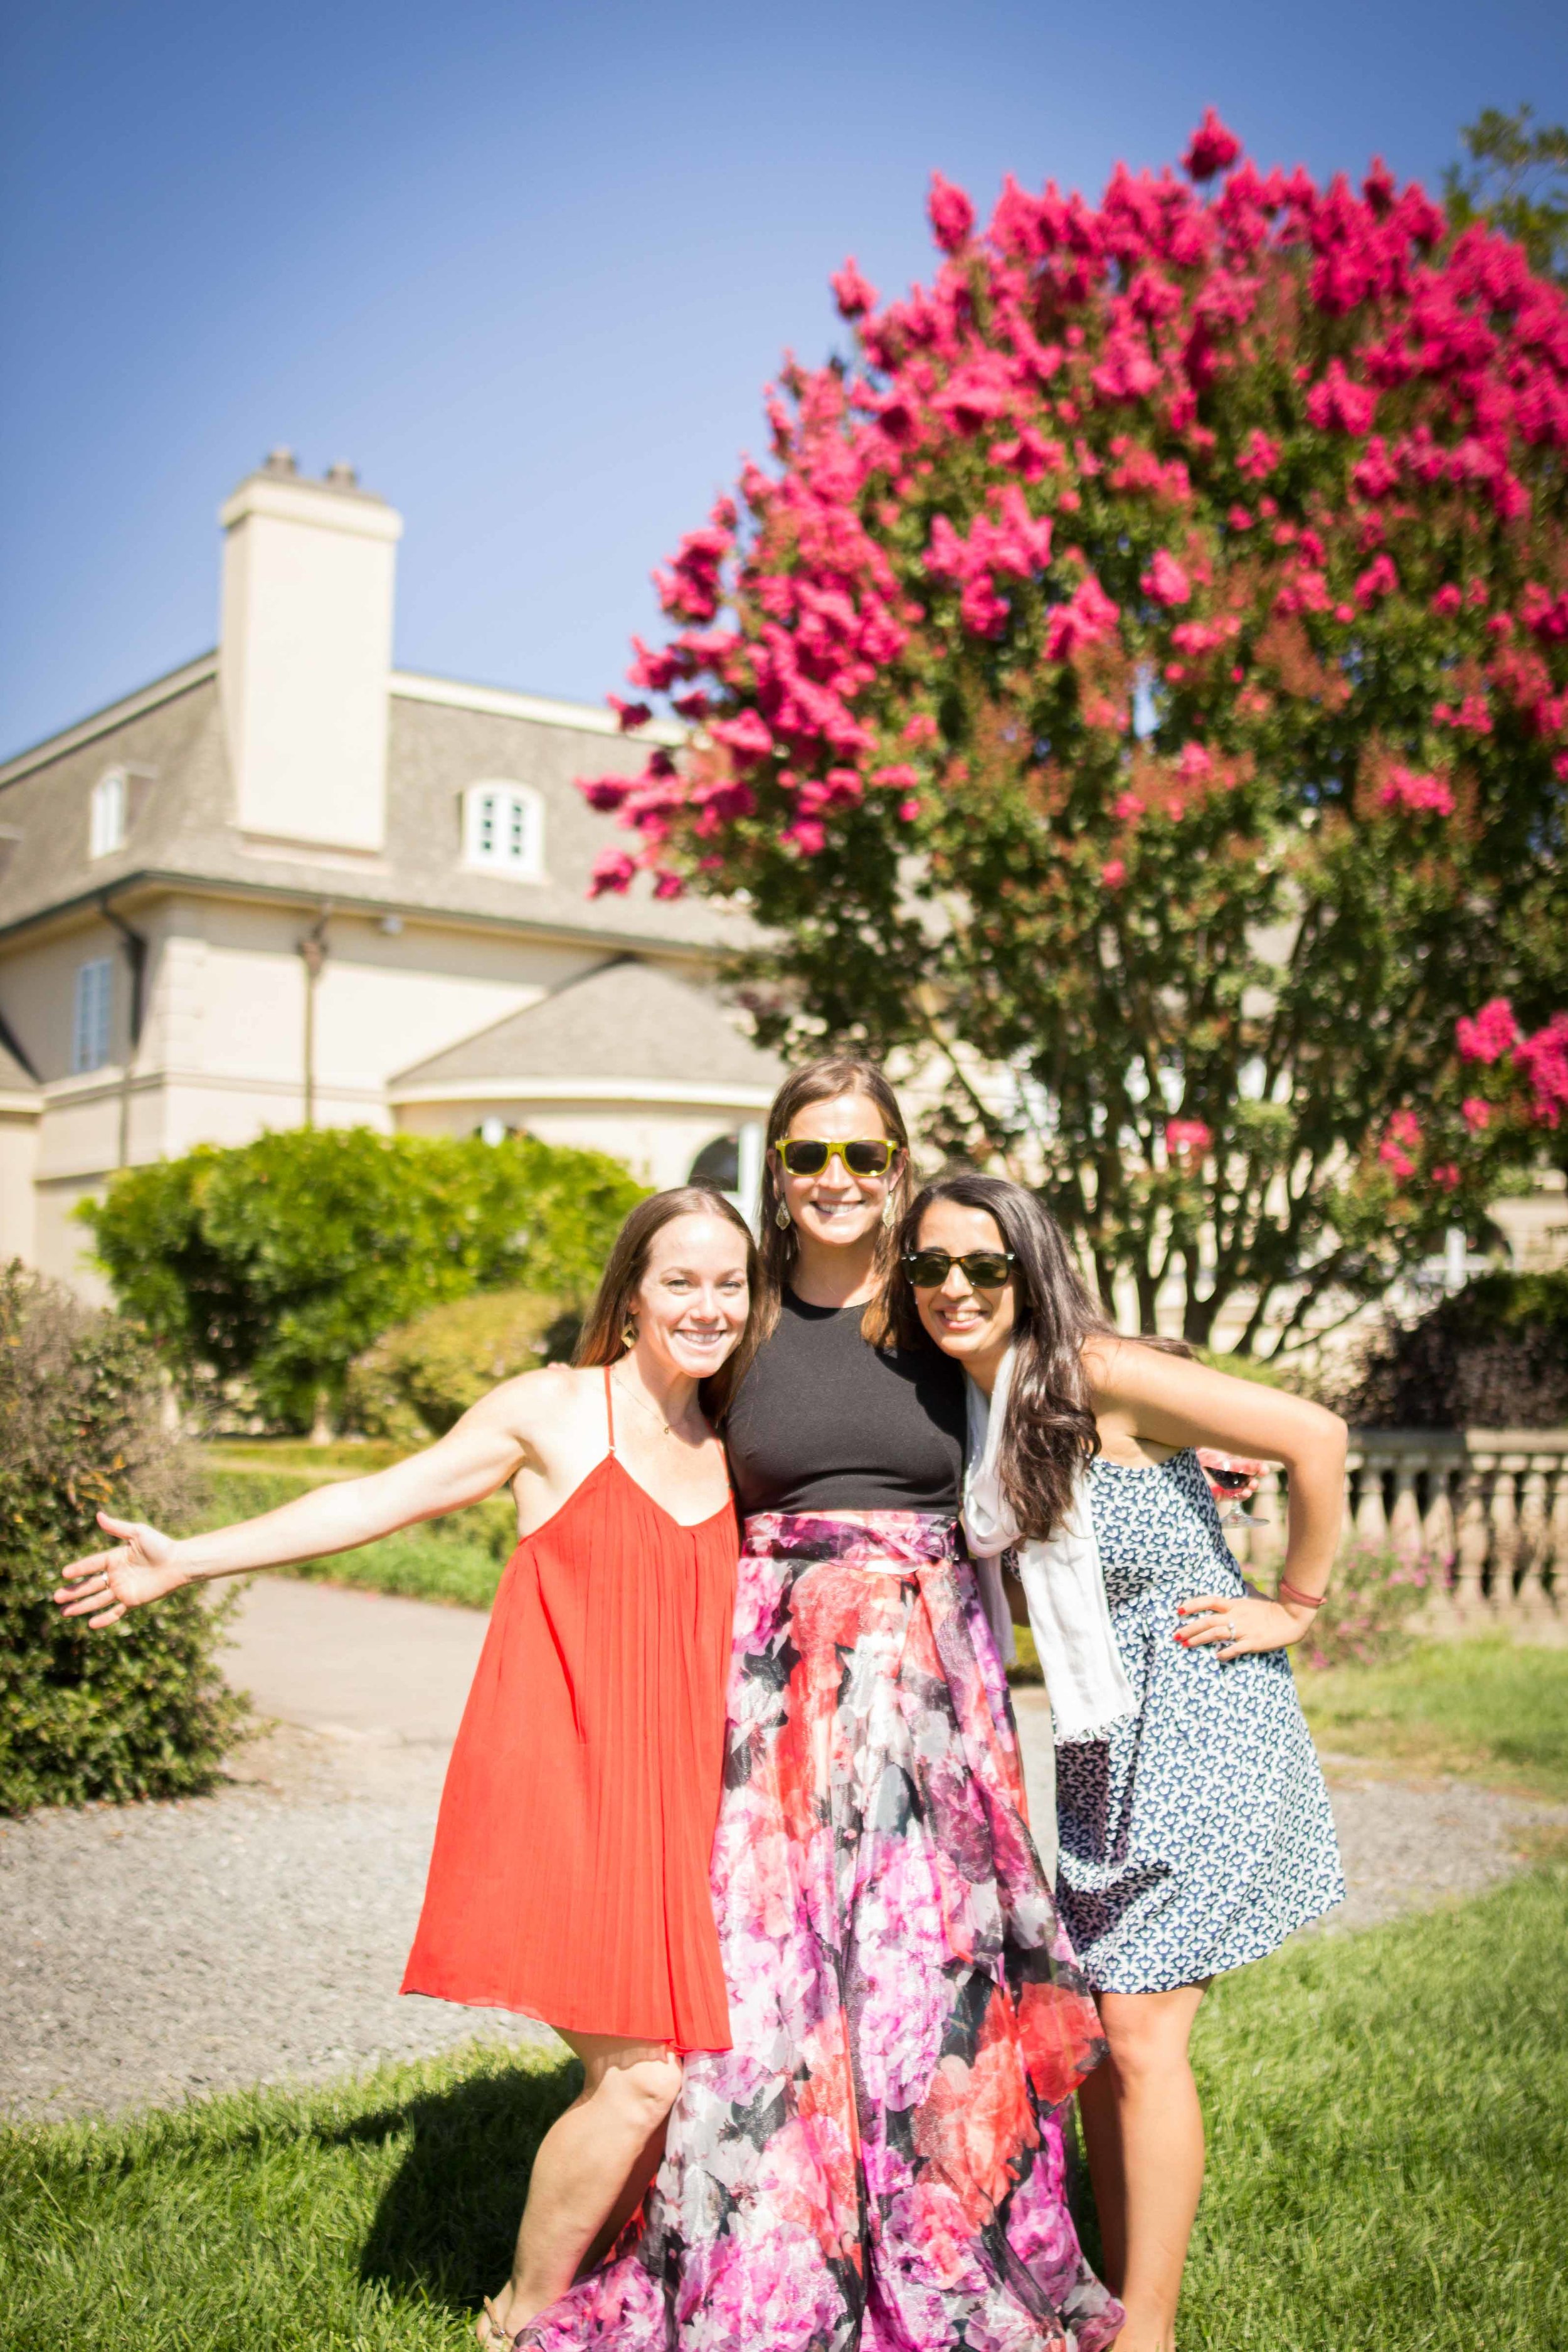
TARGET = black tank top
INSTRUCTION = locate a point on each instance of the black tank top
(824, 1422)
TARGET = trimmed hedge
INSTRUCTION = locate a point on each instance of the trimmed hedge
(140, 1710)
(415, 1381)
(1494, 1355)
(266, 1269)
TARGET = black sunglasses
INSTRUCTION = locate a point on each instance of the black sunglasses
(805, 1155)
(981, 1269)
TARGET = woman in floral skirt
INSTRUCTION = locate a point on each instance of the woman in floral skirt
(877, 2162)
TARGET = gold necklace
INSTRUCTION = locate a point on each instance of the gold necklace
(633, 1397)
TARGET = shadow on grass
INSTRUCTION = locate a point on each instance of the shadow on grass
(447, 2222)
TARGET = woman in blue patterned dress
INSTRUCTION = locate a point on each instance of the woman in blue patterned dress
(1195, 1832)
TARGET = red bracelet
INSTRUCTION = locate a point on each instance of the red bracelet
(1285, 1590)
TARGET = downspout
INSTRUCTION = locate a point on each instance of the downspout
(135, 947)
(312, 951)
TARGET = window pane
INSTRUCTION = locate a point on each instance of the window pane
(94, 999)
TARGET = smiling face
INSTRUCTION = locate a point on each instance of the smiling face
(693, 1299)
(975, 1326)
(836, 1206)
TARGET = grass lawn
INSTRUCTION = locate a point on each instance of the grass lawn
(1388, 2142)
(458, 1560)
(1488, 1709)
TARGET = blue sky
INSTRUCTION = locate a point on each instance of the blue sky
(529, 268)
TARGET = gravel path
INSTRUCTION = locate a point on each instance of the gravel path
(148, 1953)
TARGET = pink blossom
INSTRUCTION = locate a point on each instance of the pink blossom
(1259, 457)
(1544, 1059)
(1447, 600)
(1195, 764)
(808, 834)
(1379, 579)
(1166, 581)
(1401, 1137)
(1187, 1138)
(1488, 1036)
(613, 870)
(1446, 1177)
(606, 793)
(1113, 873)
(1088, 616)
(1239, 518)
(909, 810)
(1477, 1114)
(1420, 795)
(629, 715)
(1336, 404)
(1127, 806)
(746, 734)
(901, 778)
(952, 214)
(667, 885)
(1213, 148)
(853, 295)
(921, 729)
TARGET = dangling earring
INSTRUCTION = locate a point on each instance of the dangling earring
(890, 1214)
(628, 1333)
(781, 1217)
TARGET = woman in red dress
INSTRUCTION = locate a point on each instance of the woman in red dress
(569, 1880)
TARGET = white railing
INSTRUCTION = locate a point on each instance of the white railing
(1488, 1507)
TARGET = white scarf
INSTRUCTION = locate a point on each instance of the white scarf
(1068, 1615)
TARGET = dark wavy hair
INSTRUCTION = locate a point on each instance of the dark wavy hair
(603, 1336)
(1049, 1431)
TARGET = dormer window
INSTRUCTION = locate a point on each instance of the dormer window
(106, 815)
(503, 830)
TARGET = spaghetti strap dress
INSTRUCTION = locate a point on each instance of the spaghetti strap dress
(570, 1875)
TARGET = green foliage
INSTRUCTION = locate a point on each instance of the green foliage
(417, 1380)
(458, 1560)
(1494, 1355)
(1388, 2128)
(140, 1710)
(1518, 181)
(1491, 1710)
(277, 1263)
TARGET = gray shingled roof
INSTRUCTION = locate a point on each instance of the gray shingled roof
(626, 1020)
(182, 823)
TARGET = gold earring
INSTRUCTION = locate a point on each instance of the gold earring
(890, 1214)
(628, 1333)
(781, 1217)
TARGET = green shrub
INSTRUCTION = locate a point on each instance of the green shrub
(275, 1264)
(140, 1710)
(417, 1380)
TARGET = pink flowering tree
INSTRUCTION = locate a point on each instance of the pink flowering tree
(1138, 684)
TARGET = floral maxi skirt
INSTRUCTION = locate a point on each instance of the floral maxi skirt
(877, 2161)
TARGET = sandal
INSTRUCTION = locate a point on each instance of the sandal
(496, 2338)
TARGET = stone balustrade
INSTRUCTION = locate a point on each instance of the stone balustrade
(1488, 1507)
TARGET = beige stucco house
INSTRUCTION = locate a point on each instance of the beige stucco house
(288, 882)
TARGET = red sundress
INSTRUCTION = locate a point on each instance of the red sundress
(569, 1879)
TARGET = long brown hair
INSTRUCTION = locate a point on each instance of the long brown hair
(1050, 1429)
(814, 1082)
(602, 1339)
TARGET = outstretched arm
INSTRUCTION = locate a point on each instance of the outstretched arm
(476, 1455)
(1175, 1401)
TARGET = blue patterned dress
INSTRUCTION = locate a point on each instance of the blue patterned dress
(1199, 1834)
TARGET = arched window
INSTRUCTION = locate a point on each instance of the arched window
(719, 1163)
(106, 817)
(503, 830)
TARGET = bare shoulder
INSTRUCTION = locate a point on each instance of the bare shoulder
(545, 1402)
(1103, 1357)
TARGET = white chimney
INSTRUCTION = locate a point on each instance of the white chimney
(305, 653)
